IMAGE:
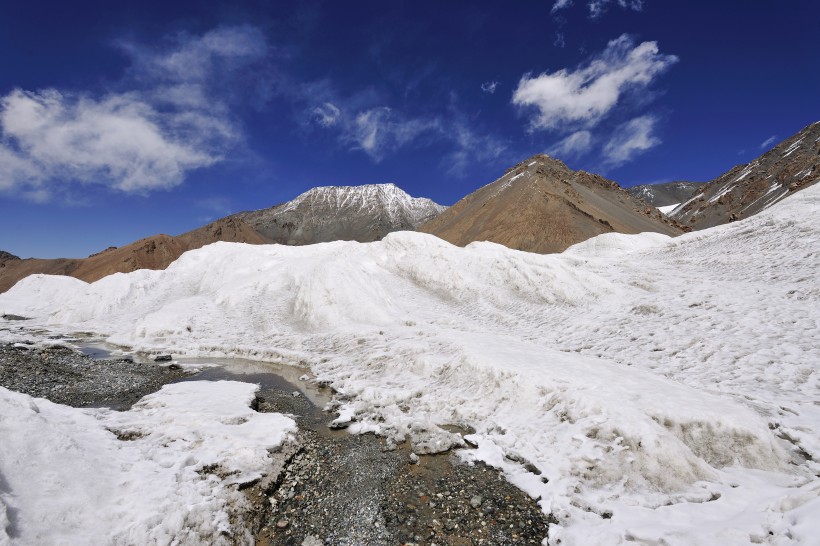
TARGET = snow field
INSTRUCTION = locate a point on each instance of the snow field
(163, 472)
(644, 388)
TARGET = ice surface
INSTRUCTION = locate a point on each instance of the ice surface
(161, 473)
(665, 389)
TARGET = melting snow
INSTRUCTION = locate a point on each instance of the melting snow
(68, 479)
(665, 388)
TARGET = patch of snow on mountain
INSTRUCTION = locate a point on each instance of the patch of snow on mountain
(793, 148)
(665, 389)
(669, 208)
(97, 476)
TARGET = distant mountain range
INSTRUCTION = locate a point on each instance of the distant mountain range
(541, 205)
(352, 213)
(666, 194)
(156, 252)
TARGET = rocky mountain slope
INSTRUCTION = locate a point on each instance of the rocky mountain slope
(664, 195)
(156, 252)
(541, 205)
(6, 257)
(792, 165)
(355, 213)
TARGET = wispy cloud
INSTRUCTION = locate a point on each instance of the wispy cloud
(469, 147)
(630, 139)
(326, 114)
(489, 87)
(768, 142)
(379, 131)
(574, 145)
(144, 134)
(598, 7)
(586, 95)
(560, 4)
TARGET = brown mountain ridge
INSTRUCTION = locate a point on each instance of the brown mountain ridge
(155, 252)
(543, 206)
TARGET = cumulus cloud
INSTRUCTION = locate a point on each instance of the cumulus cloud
(586, 95)
(134, 140)
(630, 139)
(576, 144)
(489, 87)
(118, 140)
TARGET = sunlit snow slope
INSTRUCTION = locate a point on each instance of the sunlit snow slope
(646, 388)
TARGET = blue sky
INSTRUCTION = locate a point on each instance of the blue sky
(123, 120)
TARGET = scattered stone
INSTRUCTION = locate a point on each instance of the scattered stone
(162, 358)
(476, 501)
(65, 376)
(282, 523)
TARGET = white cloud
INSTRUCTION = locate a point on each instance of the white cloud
(576, 144)
(768, 142)
(378, 131)
(630, 139)
(598, 7)
(327, 114)
(586, 95)
(489, 87)
(138, 140)
(187, 58)
(559, 41)
(470, 147)
(560, 4)
(118, 140)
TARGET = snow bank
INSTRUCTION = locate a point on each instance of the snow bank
(636, 384)
(162, 473)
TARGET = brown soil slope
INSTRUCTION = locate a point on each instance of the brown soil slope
(156, 252)
(543, 206)
(791, 166)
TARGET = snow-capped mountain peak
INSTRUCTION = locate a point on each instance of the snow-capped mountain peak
(327, 213)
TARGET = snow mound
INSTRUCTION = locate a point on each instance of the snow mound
(163, 472)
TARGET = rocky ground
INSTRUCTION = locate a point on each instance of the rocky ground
(340, 489)
(65, 376)
(336, 488)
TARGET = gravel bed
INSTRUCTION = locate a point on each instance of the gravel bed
(64, 376)
(341, 489)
